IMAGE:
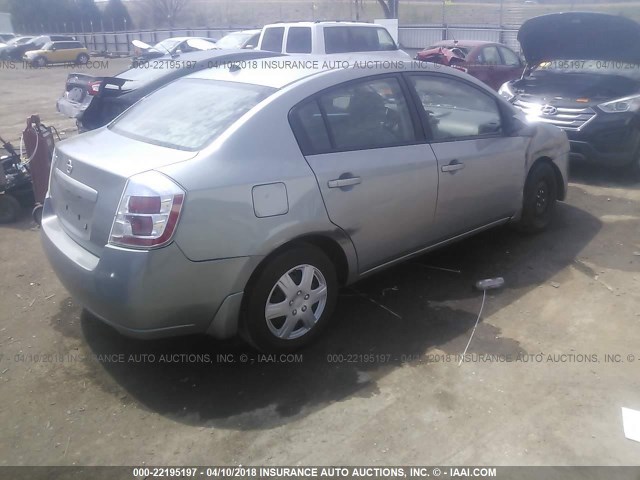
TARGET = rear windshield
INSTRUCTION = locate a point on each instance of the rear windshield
(357, 39)
(189, 113)
(168, 44)
(143, 74)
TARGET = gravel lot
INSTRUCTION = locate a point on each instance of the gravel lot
(381, 387)
(25, 91)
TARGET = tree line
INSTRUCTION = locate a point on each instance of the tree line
(68, 16)
(74, 16)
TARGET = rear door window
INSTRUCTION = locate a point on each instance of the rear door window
(272, 39)
(357, 39)
(299, 40)
(367, 114)
(336, 39)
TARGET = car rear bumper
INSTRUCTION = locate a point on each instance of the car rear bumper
(71, 109)
(149, 294)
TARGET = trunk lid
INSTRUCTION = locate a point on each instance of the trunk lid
(108, 103)
(580, 36)
(88, 177)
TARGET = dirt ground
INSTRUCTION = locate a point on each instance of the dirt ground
(25, 91)
(383, 386)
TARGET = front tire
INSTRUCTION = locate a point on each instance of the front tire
(540, 198)
(634, 167)
(291, 300)
(39, 62)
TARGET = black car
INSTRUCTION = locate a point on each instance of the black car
(583, 75)
(10, 44)
(95, 101)
(17, 51)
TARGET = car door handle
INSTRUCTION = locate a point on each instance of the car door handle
(344, 182)
(454, 166)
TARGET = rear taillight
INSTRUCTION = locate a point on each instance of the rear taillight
(94, 88)
(148, 212)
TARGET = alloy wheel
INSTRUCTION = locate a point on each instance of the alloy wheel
(542, 198)
(296, 302)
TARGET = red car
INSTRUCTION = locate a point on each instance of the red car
(490, 62)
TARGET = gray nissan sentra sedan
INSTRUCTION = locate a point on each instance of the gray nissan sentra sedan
(238, 200)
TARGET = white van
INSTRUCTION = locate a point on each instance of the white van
(320, 38)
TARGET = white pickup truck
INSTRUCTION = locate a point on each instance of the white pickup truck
(321, 38)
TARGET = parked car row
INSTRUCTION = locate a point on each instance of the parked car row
(490, 62)
(94, 102)
(171, 47)
(582, 74)
(22, 45)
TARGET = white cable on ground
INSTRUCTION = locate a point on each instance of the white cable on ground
(28, 160)
(484, 295)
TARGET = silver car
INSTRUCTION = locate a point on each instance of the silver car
(237, 200)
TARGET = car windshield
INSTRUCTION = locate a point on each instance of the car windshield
(233, 40)
(190, 113)
(38, 41)
(168, 44)
(600, 67)
(47, 46)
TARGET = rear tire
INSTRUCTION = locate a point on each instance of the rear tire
(539, 201)
(299, 289)
(82, 59)
(9, 208)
